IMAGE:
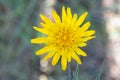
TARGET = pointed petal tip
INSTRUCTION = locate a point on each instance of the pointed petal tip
(69, 11)
(36, 53)
(31, 41)
(88, 23)
(94, 36)
(86, 13)
(35, 40)
(69, 60)
(44, 59)
(79, 62)
(68, 8)
(53, 64)
(64, 69)
(63, 7)
(75, 14)
(85, 54)
(40, 15)
(34, 27)
(53, 11)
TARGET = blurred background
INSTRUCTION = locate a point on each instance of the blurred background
(17, 58)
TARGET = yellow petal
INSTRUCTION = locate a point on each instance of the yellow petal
(55, 59)
(38, 40)
(45, 19)
(85, 26)
(76, 58)
(82, 44)
(80, 52)
(41, 30)
(81, 19)
(69, 56)
(63, 14)
(43, 50)
(89, 33)
(56, 17)
(64, 63)
(69, 14)
(44, 25)
(74, 19)
(49, 55)
(86, 38)
(66, 53)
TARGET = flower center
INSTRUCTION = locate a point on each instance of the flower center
(64, 38)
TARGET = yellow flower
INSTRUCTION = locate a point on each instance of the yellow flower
(64, 37)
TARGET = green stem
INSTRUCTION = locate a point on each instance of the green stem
(98, 77)
(76, 73)
(69, 71)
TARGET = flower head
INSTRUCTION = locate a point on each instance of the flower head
(64, 37)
